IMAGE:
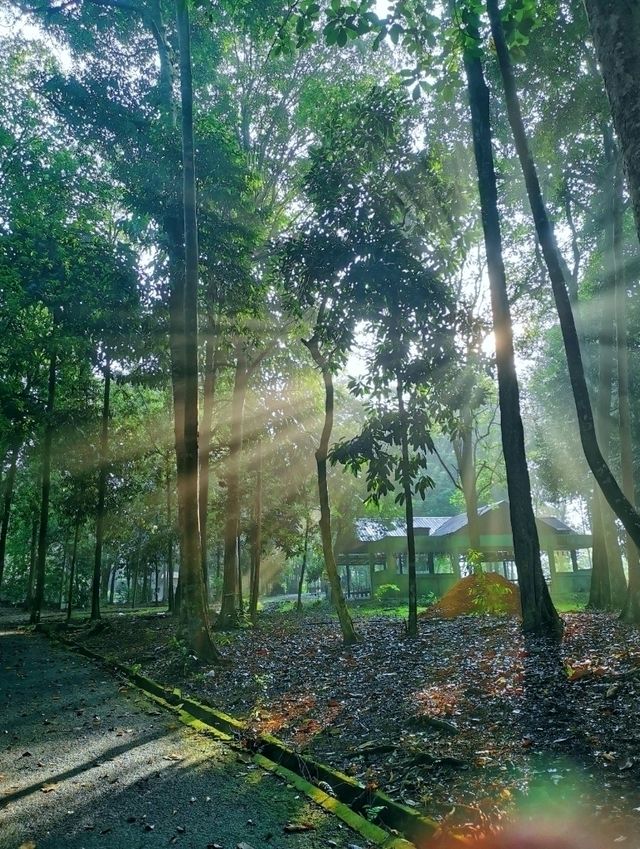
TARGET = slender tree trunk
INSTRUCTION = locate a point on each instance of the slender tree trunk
(349, 635)
(32, 562)
(600, 587)
(145, 584)
(102, 489)
(63, 576)
(615, 26)
(240, 597)
(176, 344)
(38, 598)
(112, 584)
(256, 541)
(468, 479)
(229, 609)
(167, 477)
(412, 625)
(538, 613)
(9, 484)
(134, 577)
(303, 567)
(631, 604)
(209, 388)
(608, 584)
(611, 490)
(72, 572)
(194, 615)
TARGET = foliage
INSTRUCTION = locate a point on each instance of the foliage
(387, 593)
(487, 597)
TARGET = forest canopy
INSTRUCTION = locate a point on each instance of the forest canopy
(269, 269)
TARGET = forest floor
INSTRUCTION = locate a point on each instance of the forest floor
(527, 729)
(88, 762)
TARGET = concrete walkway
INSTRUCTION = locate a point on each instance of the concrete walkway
(85, 761)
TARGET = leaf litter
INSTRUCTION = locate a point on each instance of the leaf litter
(465, 723)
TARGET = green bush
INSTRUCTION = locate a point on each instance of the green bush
(387, 593)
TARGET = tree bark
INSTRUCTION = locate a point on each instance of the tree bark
(38, 597)
(9, 483)
(600, 586)
(102, 489)
(467, 465)
(405, 470)
(72, 572)
(349, 635)
(32, 562)
(631, 604)
(611, 490)
(170, 597)
(615, 27)
(256, 541)
(112, 583)
(229, 608)
(194, 615)
(608, 583)
(303, 567)
(209, 387)
(538, 613)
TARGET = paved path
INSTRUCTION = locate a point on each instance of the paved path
(86, 761)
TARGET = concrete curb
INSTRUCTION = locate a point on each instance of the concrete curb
(349, 798)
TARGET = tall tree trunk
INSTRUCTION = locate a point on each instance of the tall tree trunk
(102, 489)
(194, 615)
(112, 583)
(631, 604)
(209, 388)
(240, 598)
(229, 610)
(9, 484)
(134, 575)
(33, 548)
(608, 583)
(47, 441)
(72, 572)
(615, 26)
(176, 344)
(412, 625)
(538, 613)
(349, 635)
(467, 466)
(65, 552)
(600, 586)
(303, 567)
(256, 541)
(611, 490)
(170, 598)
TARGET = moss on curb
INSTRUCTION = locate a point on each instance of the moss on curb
(272, 754)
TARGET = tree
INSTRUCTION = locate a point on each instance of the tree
(616, 498)
(615, 27)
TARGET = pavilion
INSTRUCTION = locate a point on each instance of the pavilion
(377, 553)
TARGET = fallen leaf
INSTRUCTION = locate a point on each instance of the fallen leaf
(48, 788)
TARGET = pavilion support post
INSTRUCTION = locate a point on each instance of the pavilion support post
(455, 564)
(372, 572)
(552, 566)
(390, 562)
(574, 559)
